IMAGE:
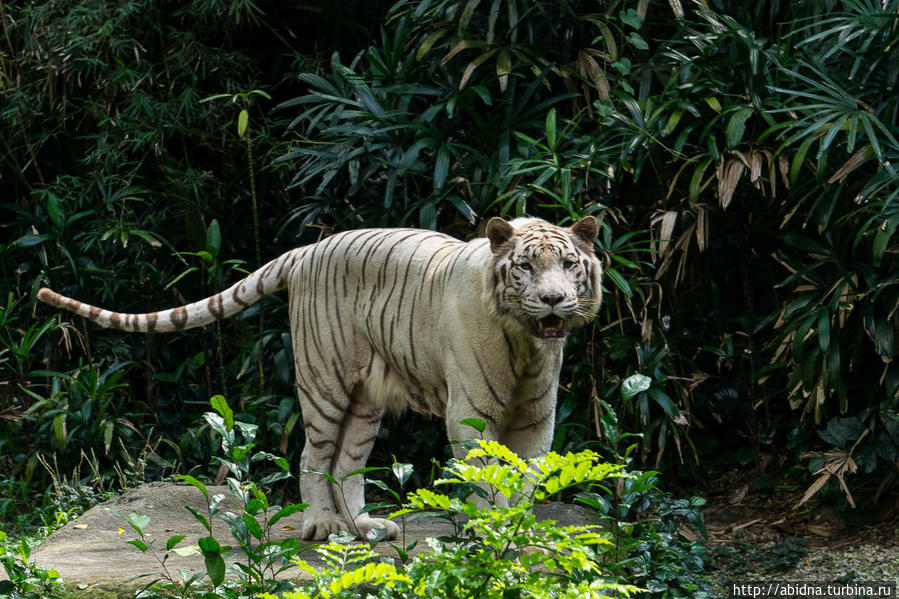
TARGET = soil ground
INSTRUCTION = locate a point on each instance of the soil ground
(763, 534)
(736, 510)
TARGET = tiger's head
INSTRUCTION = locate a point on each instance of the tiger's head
(544, 277)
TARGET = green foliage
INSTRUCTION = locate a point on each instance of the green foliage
(645, 521)
(501, 550)
(250, 525)
(111, 160)
(498, 551)
(24, 580)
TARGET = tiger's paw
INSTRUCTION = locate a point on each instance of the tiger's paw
(367, 523)
(318, 526)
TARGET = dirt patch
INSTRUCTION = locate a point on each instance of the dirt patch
(737, 510)
(758, 534)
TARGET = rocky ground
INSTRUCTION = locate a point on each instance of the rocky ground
(93, 555)
(753, 537)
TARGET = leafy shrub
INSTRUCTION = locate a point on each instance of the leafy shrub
(504, 551)
(264, 559)
(497, 551)
(24, 580)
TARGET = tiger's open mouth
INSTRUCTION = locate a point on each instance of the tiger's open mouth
(550, 327)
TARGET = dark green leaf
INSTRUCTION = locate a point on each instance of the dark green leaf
(665, 402)
(214, 238)
(200, 517)
(441, 167)
(252, 526)
(287, 510)
(634, 384)
(193, 481)
(475, 423)
(840, 431)
(402, 471)
(736, 126)
(31, 240)
(173, 541)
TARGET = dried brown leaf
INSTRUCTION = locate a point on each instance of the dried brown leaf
(738, 495)
(702, 226)
(772, 179)
(688, 532)
(669, 220)
(784, 166)
(755, 167)
(590, 70)
(729, 173)
(817, 529)
(816, 486)
(503, 68)
(641, 9)
(684, 165)
(683, 244)
(789, 214)
(851, 164)
(463, 45)
(746, 524)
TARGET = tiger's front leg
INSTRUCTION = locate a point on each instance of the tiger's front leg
(524, 424)
(462, 404)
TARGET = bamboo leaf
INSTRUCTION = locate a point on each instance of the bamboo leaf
(503, 68)
(474, 64)
(243, 120)
(491, 20)
(882, 239)
(551, 128)
(429, 42)
(736, 126)
(619, 281)
(441, 167)
(799, 159)
(824, 330)
(466, 15)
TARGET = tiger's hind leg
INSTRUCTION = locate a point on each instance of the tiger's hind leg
(358, 434)
(322, 423)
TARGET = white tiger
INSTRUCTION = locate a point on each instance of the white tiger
(404, 318)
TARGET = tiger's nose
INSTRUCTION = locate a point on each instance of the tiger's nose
(551, 299)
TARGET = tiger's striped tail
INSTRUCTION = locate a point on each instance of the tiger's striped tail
(270, 278)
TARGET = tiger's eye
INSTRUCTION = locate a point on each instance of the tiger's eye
(569, 264)
(525, 266)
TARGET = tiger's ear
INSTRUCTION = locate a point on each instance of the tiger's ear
(585, 231)
(499, 232)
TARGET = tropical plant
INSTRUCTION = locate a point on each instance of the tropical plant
(24, 580)
(250, 524)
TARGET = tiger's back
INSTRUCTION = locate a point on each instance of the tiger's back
(364, 307)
